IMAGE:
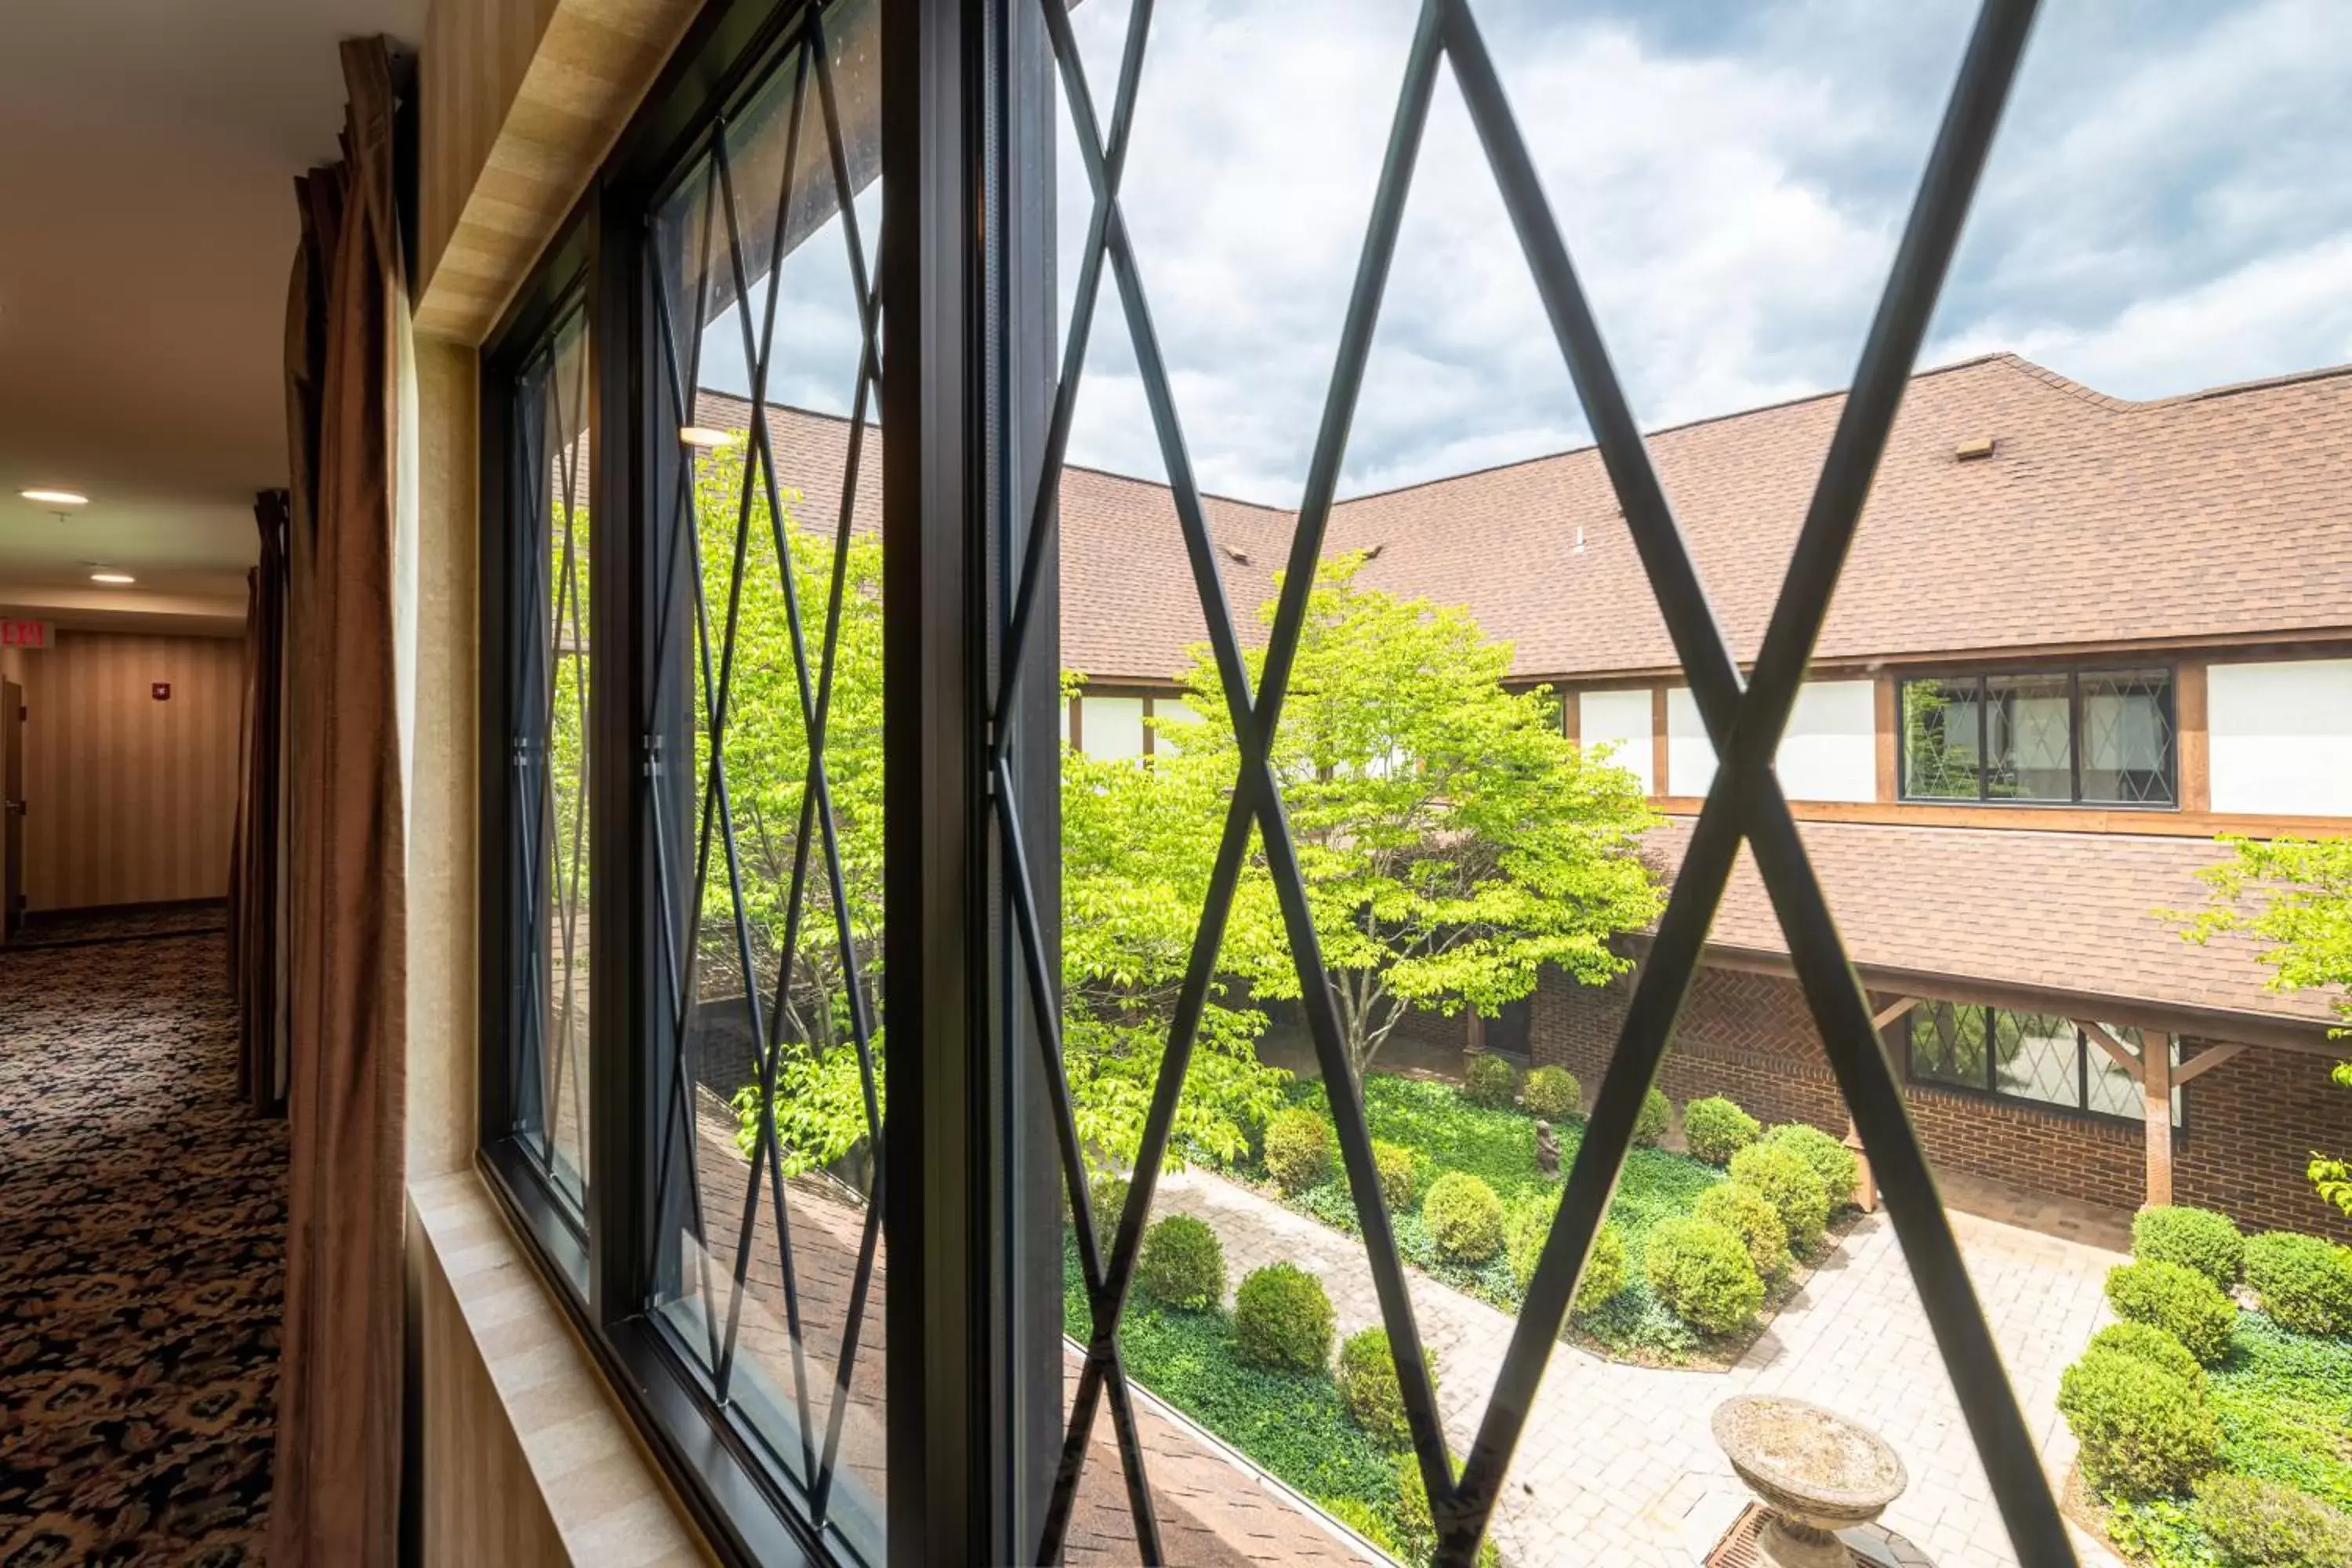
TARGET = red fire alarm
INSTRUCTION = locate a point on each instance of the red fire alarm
(160, 691)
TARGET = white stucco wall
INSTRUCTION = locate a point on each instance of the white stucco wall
(1622, 717)
(2280, 736)
(1830, 751)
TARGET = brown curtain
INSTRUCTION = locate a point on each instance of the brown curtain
(336, 1495)
(253, 881)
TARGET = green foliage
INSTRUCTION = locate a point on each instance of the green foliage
(2300, 894)
(1369, 1388)
(1106, 1192)
(1527, 1225)
(1453, 841)
(1714, 1129)
(2285, 1404)
(1464, 1217)
(1552, 1093)
(2194, 1238)
(1182, 1263)
(2143, 1432)
(2303, 1282)
(1363, 1517)
(1604, 1272)
(1490, 1081)
(1283, 1320)
(1832, 1161)
(1416, 1530)
(1297, 1149)
(1398, 1179)
(2261, 1522)
(1701, 1271)
(2153, 1345)
(1657, 1113)
(1749, 1216)
(1790, 1186)
(2178, 1300)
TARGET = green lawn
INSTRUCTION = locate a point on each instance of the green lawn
(2286, 1404)
(1446, 1132)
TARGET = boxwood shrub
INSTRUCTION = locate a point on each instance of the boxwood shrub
(1702, 1273)
(1657, 1112)
(1297, 1149)
(1790, 1185)
(1394, 1163)
(1367, 1383)
(2143, 1432)
(1552, 1093)
(1490, 1081)
(1714, 1129)
(1749, 1216)
(1282, 1319)
(2263, 1523)
(1107, 1190)
(1526, 1224)
(2194, 1238)
(2153, 1345)
(1832, 1161)
(1464, 1217)
(2178, 1300)
(2305, 1282)
(1182, 1263)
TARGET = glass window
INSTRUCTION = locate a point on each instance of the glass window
(2036, 1057)
(2102, 737)
(1947, 1044)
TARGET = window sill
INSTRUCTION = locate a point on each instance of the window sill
(600, 1491)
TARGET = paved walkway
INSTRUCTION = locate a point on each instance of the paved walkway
(1617, 1466)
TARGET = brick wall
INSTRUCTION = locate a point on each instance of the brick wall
(2252, 1122)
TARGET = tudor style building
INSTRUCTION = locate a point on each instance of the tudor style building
(2079, 638)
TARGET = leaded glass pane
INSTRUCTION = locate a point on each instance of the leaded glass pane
(2037, 1056)
(1941, 740)
(1947, 1044)
(2109, 1087)
(2127, 738)
(2028, 745)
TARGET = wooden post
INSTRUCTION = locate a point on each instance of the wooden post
(2155, 1090)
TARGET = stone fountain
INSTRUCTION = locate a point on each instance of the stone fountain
(1815, 1471)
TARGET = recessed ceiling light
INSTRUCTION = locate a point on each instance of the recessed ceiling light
(56, 497)
(112, 578)
(702, 436)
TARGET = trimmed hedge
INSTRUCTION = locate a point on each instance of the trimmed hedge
(1749, 1216)
(1369, 1388)
(1182, 1263)
(1283, 1319)
(1552, 1093)
(1790, 1185)
(2153, 1345)
(2305, 1282)
(1604, 1272)
(2143, 1432)
(2178, 1300)
(2262, 1522)
(1297, 1149)
(1832, 1161)
(2194, 1238)
(1394, 1163)
(1701, 1271)
(1715, 1129)
(1107, 1193)
(1464, 1217)
(1416, 1531)
(1490, 1081)
(1526, 1224)
(1650, 1126)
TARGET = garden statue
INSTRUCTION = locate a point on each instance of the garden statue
(1546, 1151)
(1816, 1472)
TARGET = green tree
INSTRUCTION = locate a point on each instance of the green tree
(2294, 896)
(1452, 841)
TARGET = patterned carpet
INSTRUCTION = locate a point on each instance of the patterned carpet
(141, 1249)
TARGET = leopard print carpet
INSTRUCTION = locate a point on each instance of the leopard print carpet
(141, 1253)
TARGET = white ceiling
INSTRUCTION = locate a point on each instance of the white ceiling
(148, 149)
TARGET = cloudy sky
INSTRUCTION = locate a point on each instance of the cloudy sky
(2169, 207)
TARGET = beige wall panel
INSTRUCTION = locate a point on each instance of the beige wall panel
(129, 800)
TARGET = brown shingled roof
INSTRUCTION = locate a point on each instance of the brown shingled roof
(2062, 913)
(2227, 509)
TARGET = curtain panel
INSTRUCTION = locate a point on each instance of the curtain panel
(336, 1495)
(255, 860)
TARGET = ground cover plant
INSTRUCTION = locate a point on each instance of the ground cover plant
(1446, 1133)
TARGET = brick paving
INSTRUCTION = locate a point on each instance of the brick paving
(1617, 1466)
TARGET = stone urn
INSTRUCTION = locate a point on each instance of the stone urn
(1816, 1471)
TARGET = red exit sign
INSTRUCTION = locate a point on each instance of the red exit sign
(26, 634)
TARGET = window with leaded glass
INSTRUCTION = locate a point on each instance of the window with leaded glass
(2044, 1058)
(2097, 737)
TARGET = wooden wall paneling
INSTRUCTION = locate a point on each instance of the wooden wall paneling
(2148, 821)
(2192, 750)
(130, 800)
(1660, 747)
(1888, 731)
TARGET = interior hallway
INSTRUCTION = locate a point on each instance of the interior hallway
(141, 1253)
